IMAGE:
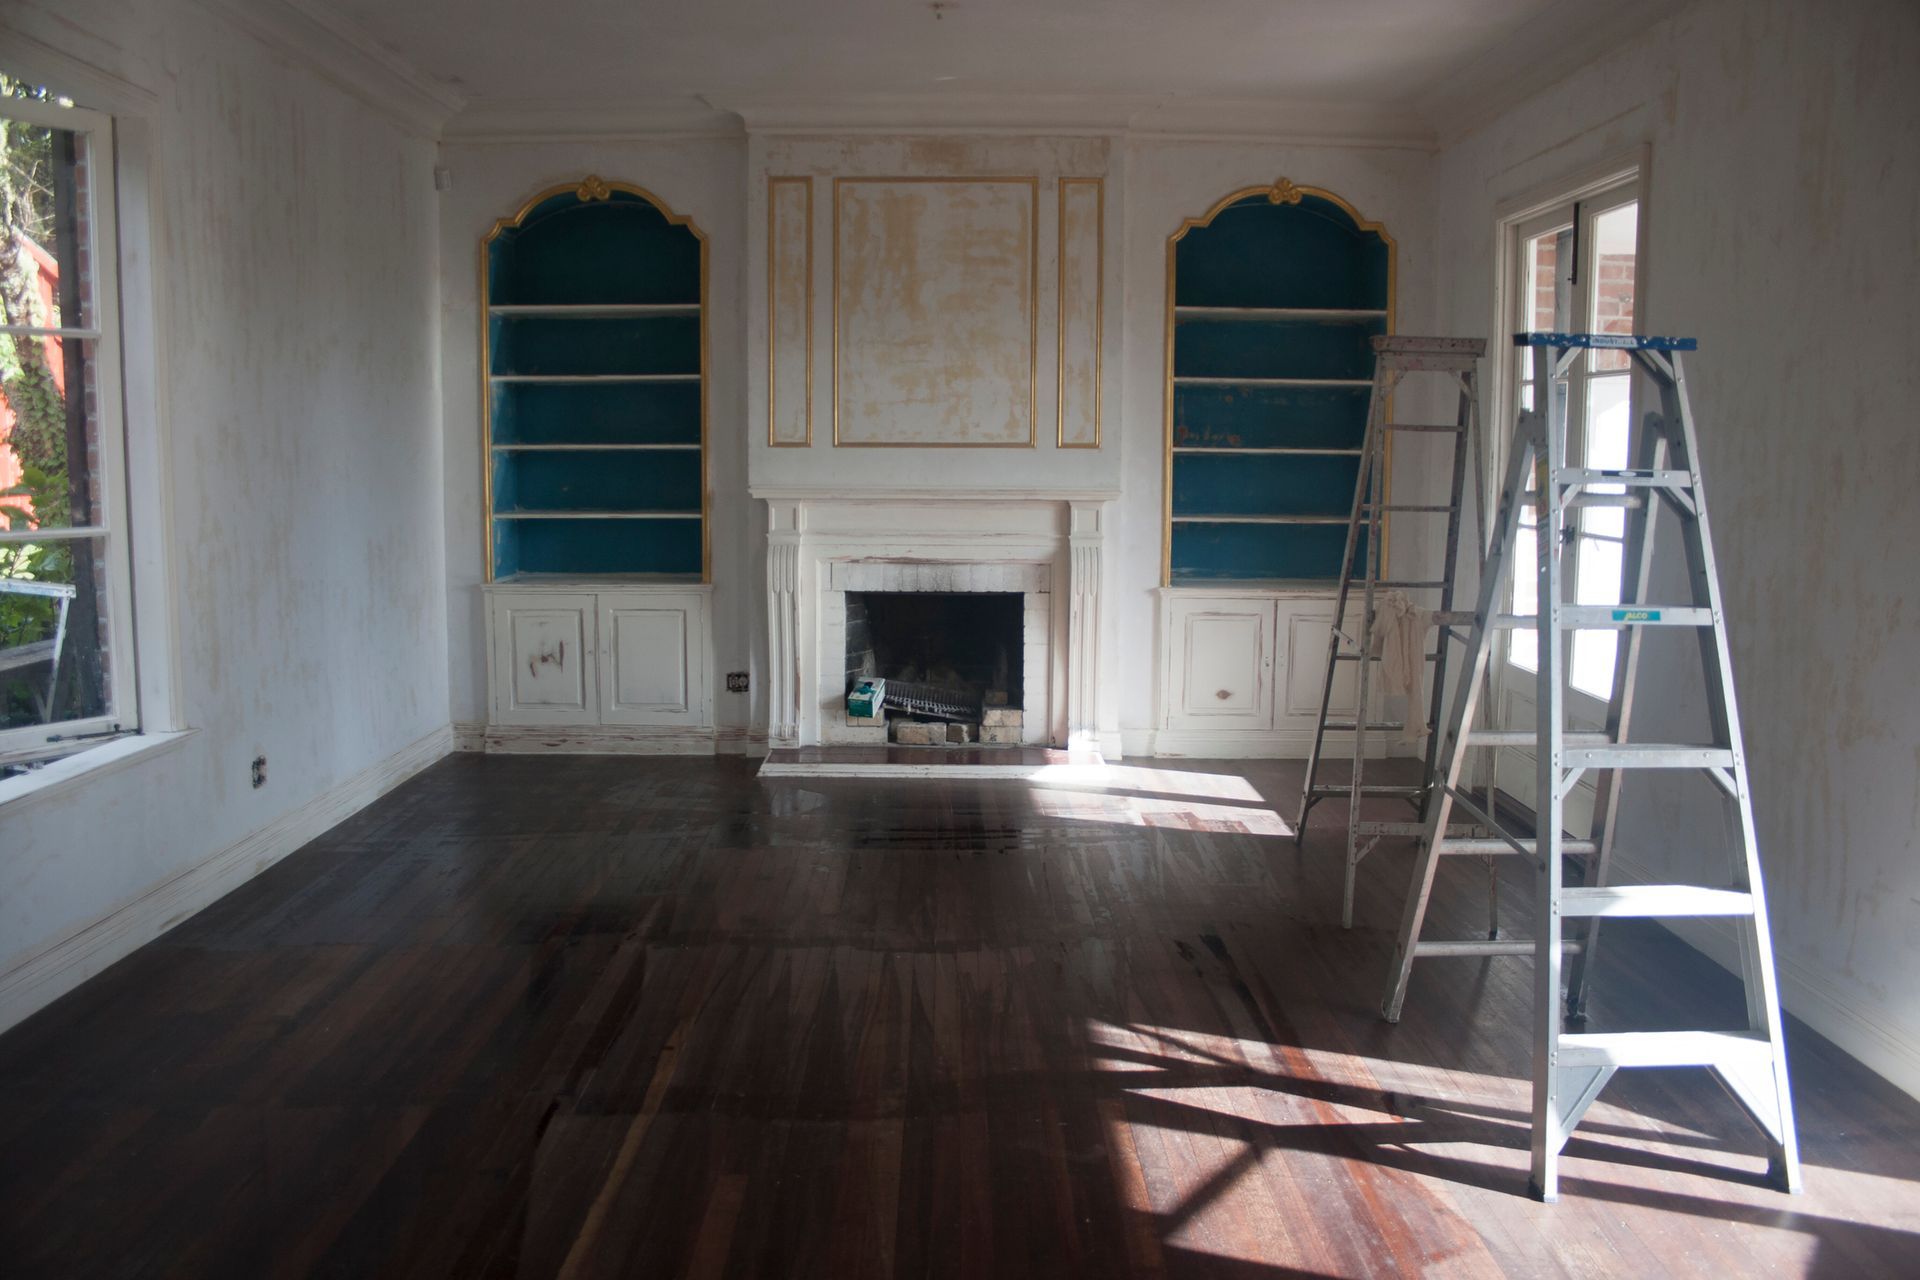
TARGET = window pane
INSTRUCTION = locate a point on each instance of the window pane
(1608, 419)
(1614, 247)
(48, 439)
(1523, 649)
(52, 632)
(41, 186)
(1598, 583)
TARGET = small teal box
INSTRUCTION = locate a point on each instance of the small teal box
(867, 699)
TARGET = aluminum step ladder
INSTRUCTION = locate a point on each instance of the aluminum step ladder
(1456, 359)
(1570, 1068)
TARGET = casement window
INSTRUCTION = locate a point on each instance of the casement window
(1575, 267)
(67, 674)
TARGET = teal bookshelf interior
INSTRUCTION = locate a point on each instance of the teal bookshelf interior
(595, 400)
(1276, 297)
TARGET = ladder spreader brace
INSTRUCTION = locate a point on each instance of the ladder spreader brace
(1570, 1068)
(1395, 357)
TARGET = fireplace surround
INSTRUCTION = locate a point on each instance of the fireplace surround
(1046, 548)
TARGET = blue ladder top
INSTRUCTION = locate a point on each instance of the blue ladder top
(1624, 341)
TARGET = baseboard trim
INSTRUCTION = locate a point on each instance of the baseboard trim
(469, 735)
(1872, 1035)
(50, 973)
(599, 740)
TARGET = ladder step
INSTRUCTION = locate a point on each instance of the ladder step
(1451, 618)
(1484, 845)
(1527, 738)
(1407, 506)
(1645, 755)
(1390, 828)
(1426, 426)
(1593, 616)
(1354, 657)
(1366, 789)
(1651, 901)
(1349, 725)
(1408, 585)
(1485, 947)
(1665, 1049)
(1636, 479)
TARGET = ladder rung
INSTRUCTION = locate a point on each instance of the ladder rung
(1390, 828)
(1665, 1049)
(1485, 947)
(1426, 426)
(1655, 901)
(1354, 657)
(1366, 789)
(1638, 479)
(1406, 585)
(1627, 500)
(1451, 618)
(1645, 755)
(1407, 506)
(1527, 738)
(1349, 726)
(1594, 616)
(1484, 845)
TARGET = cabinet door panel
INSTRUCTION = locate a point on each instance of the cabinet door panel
(1306, 632)
(544, 671)
(1223, 664)
(653, 659)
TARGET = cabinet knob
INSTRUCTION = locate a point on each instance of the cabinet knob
(1223, 694)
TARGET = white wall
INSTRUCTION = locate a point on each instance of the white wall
(702, 178)
(1784, 198)
(295, 255)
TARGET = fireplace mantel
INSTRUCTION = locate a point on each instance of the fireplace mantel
(1052, 541)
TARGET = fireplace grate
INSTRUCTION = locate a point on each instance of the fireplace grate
(939, 702)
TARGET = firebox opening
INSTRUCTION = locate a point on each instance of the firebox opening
(948, 657)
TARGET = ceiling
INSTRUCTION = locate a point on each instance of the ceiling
(1389, 63)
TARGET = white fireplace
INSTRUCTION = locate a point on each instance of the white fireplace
(1047, 548)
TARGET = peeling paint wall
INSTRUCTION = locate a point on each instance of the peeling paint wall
(296, 260)
(1784, 200)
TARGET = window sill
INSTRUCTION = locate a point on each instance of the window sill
(82, 766)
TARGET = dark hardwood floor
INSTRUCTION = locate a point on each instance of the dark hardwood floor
(576, 1016)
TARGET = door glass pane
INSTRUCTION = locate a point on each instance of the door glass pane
(1598, 583)
(1612, 274)
(52, 620)
(1607, 424)
(1523, 646)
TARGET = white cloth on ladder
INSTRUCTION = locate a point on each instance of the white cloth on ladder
(1403, 656)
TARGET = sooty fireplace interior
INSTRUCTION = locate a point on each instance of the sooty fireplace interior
(959, 651)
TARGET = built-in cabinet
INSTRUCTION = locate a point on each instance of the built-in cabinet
(1241, 672)
(594, 352)
(617, 656)
(1273, 298)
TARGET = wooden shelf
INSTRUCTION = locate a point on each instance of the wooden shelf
(596, 515)
(593, 310)
(1273, 382)
(1277, 313)
(1265, 450)
(1260, 519)
(588, 448)
(593, 377)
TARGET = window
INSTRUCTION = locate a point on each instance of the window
(1576, 269)
(66, 657)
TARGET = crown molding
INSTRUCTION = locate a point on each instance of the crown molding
(516, 120)
(720, 114)
(345, 54)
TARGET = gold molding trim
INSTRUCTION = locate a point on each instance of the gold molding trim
(773, 184)
(1033, 310)
(605, 190)
(1280, 191)
(1099, 186)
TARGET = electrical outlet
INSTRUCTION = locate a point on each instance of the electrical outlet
(259, 772)
(736, 682)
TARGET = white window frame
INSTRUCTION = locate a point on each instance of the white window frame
(1606, 184)
(100, 326)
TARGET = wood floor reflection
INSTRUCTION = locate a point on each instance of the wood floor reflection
(578, 1016)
